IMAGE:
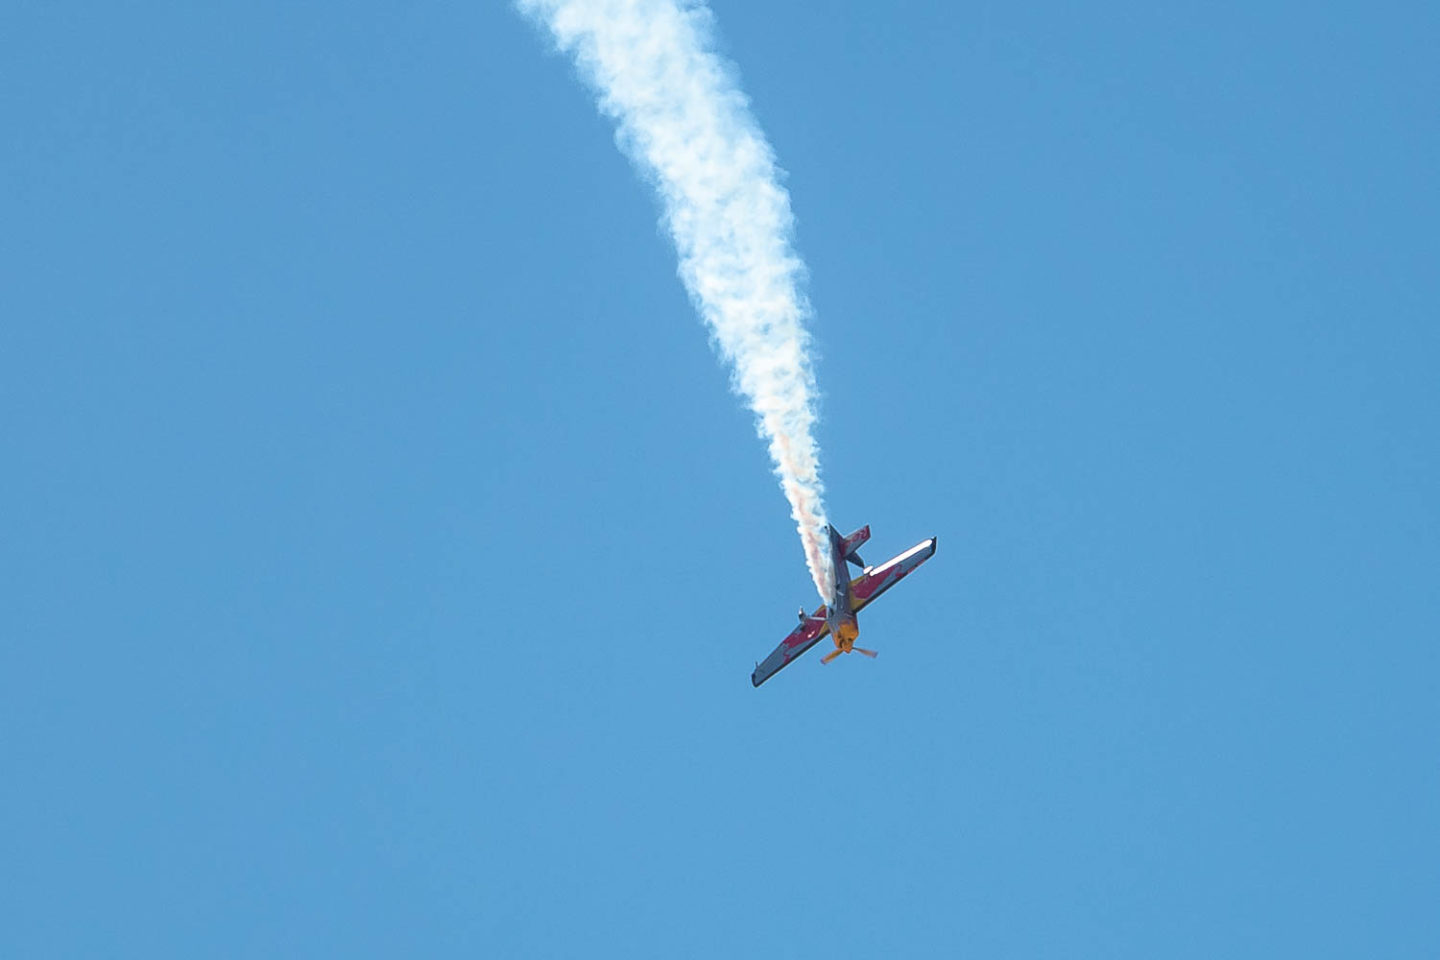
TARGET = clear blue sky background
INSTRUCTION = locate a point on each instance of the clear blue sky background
(384, 558)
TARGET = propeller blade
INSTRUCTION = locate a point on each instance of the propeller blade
(868, 653)
(831, 655)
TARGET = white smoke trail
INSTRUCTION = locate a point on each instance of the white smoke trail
(684, 122)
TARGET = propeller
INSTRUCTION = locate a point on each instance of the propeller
(837, 651)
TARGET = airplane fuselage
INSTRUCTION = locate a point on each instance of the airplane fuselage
(840, 613)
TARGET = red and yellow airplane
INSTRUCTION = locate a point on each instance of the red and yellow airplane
(851, 596)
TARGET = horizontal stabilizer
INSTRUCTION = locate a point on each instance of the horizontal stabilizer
(850, 546)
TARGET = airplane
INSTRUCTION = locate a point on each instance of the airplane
(838, 619)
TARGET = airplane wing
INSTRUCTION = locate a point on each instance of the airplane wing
(872, 583)
(810, 632)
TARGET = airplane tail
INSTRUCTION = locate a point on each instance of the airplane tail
(849, 547)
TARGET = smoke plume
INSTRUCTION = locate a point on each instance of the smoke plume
(684, 122)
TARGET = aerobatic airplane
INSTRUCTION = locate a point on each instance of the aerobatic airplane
(851, 596)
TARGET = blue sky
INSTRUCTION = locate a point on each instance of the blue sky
(385, 557)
